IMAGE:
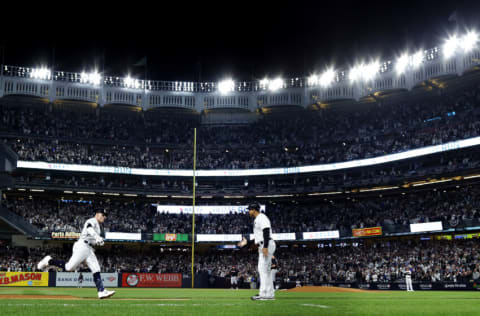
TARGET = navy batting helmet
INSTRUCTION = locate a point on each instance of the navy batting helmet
(103, 211)
(254, 206)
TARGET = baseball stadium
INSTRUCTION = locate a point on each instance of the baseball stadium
(350, 190)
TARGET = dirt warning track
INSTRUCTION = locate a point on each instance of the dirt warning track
(67, 297)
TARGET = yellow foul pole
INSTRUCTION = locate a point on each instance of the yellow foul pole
(193, 203)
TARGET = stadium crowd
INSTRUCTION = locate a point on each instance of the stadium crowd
(380, 261)
(324, 137)
(457, 206)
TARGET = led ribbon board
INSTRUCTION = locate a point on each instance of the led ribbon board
(329, 234)
(218, 237)
(204, 209)
(426, 227)
(254, 172)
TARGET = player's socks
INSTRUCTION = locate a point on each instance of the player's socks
(98, 281)
(57, 263)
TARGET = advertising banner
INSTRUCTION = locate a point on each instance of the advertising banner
(328, 234)
(283, 236)
(426, 227)
(218, 237)
(205, 209)
(71, 279)
(151, 280)
(278, 236)
(369, 231)
(123, 236)
(417, 286)
(170, 237)
(23, 278)
(65, 235)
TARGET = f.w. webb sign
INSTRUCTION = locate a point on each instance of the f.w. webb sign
(152, 279)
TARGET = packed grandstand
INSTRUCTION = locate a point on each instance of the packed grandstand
(348, 225)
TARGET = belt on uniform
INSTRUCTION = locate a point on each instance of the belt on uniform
(261, 243)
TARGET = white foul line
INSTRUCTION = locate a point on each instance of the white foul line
(315, 305)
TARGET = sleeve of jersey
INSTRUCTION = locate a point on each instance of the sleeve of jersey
(264, 223)
(91, 230)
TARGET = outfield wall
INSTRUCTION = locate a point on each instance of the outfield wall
(70, 279)
(417, 286)
(175, 280)
(24, 279)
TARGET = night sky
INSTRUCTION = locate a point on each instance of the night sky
(239, 39)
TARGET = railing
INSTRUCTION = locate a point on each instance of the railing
(338, 85)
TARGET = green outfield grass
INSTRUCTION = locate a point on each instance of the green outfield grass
(237, 302)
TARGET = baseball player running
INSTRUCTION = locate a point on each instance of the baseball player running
(262, 232)
(83, 251)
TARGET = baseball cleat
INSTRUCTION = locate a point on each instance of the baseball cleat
(105, 294)
(43, 263)
(262, 298)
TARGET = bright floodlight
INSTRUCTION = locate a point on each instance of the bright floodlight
(83, 77)
(313, 80)
(226, 86)
(275, 84)
(355, 73)
(264, 83)
(450, 46)
(94, 78)
(469, 41)
(327, 78)
(401, 64)
(369, 71)
(417, 59)
(40, 73)
(128, 81)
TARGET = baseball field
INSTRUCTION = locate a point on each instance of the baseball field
(73, 301)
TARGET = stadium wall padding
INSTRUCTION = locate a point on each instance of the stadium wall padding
(417, 286)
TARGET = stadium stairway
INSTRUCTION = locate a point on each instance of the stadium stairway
(17, 222)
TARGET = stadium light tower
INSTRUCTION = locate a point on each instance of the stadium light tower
(41, 73)
(327, 77)
(84, 77)
(264, 83)
(313, 80)
(401, 64)
(95, 78)
(226, 86)
(275, 84)
(128, 81)
(370, 70)
(92, 78)
(417, 59)
(450, 46)
(355, 73)
(469, 41)
(131, 83)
